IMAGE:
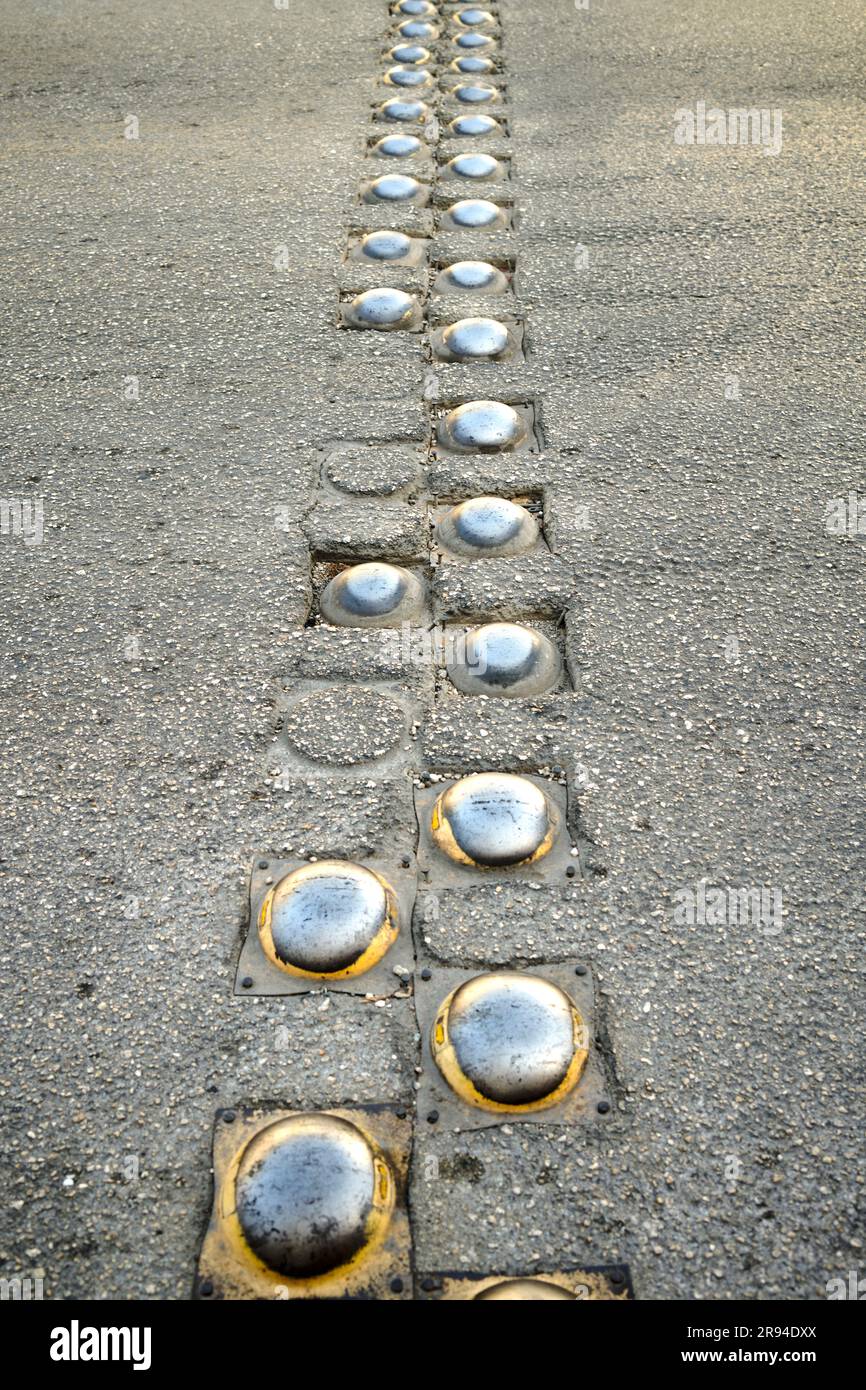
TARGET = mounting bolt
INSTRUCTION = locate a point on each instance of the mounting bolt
(603, 1107)
(247, 982)
(432, 1117)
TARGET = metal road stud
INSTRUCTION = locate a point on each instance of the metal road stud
(397, 146)
(493, 819)
(410, 54)
(383, 308)
(408, 77)
(394, 188)
(385, 246)
(399, 109)
(473, 339)
(506, 660)
(474, 125)
(487, 526)
(475, 166)
(308, 1196)
(471, 275)
(509, 1041)
(473, 18)
(481, 427)
(476, 214)
(473, 93)
(471, 64)
(473, 40)
(374, 594)
(523, 1291)
(414, 7)
(328, 920)
(418, 29)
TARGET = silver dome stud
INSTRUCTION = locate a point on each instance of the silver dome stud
(395, 188)
(331, 918)
(418, 29)
(408, 77)
(472, 340)
(494, 819)
(414, 7)
(473, 41)
(480, 427)
(474, 125)
(505, 660)
(373, 594)
(410, 54)
(523, 1291)
(397, 146)
(474, 166)
(473, 18)
(471, 64)
(479, 276)
(477, 214)
(384, 309)
(509, 1040)
(386, 246)
(487, 527)
(474, 94)
(400, 109)
(310, 1192)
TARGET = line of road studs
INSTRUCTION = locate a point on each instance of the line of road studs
(314, 1204)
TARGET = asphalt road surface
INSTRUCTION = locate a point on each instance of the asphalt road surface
(180, 182)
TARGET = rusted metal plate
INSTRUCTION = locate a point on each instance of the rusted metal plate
(308, 1205)
(258, 974)
(458, 1096)
(611, 1283)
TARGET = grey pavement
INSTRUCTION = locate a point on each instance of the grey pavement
(175, 387)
